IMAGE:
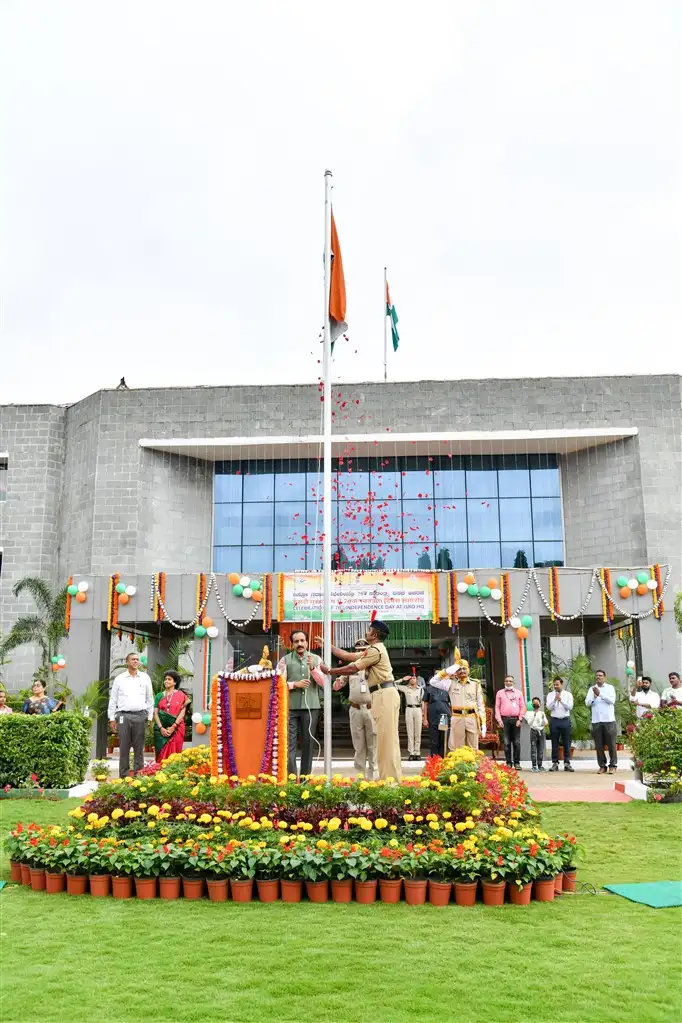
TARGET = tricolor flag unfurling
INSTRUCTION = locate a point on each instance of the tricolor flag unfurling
(390, 312)
(337, 289)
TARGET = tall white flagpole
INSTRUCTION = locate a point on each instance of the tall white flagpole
(385, 330)
(327, 480)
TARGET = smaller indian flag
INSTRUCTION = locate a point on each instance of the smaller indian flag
(392, 314)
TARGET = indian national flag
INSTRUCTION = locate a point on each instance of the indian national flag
(390, 312)
(337, 289)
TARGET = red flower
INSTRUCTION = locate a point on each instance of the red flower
(517, 848)
(658, 797)
(500, 861)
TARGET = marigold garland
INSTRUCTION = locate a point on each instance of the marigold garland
(215, 727)
(200, 594)
(280, 597)
(505, 603)
(162, 595)
(283, 731)
(656, 595)
(606, 602)
(554, 604)
(267, 602)
(453, 603)
(435, 599)
(67, 606)
(112, 602)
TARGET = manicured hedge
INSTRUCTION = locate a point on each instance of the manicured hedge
(55, 747)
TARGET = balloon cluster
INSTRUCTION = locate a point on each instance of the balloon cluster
(201, 721)
(245, 586)
(205, 628)
(125, 592)
(630, 668)
(79, 591)
(58, 662)
(491, 588)
(641, 584)
(522, 625)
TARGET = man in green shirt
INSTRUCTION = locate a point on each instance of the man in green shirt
(303, 677)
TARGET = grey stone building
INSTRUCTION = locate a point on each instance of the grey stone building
(480, 474)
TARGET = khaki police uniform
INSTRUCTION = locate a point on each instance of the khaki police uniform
(413, 716)
(363, 730)
(466, 702)
(376, 663)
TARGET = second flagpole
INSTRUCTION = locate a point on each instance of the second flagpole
(385, 330)
(327, 481)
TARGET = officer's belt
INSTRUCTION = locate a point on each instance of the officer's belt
(359, 706)
(463, 710)
(382, 685)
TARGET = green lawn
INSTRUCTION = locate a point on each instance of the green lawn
(586, 958)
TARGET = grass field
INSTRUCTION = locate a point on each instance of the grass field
(585, 958)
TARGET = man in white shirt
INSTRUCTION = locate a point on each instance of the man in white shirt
(672, 696)
(560, 705)
(131, 706)
(644, 698)
(601, 697)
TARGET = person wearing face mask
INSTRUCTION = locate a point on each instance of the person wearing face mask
(560, 705)
(672, 696)
(644, 698)
(537, 719)
(601, 698)
(510, 708)
(467, 710)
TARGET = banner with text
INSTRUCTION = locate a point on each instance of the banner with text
(405, 596)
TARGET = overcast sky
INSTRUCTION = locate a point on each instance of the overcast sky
(516, 165)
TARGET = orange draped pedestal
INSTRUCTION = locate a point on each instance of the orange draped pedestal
(249, 706)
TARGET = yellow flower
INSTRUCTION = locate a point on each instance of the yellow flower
(447, 815)
(448, 826)
(365, 824)
(92, 817)
(115, 814)
(213, 781)
(460, 826)
(476, 813)
(151, 824)
(283, 794)
(181, 817)
(191, 816)
(408, 802)
(393, 827)
(195, 790)
(143, 806)
(334, 824)
(165, 806)
(380, 823)
(137, 783)
(431, 817)
(305, 794)
(254, 826)
(434, 825)
(292, 777)
(283, 825)
(488, 777)
(466, 793)
(322, 844)
(100, 777)
(420, 817)
(409, 817)
(153, 811)
(419, 831)
(246, 822)
(76, 812)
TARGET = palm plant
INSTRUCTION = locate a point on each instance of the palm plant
(43, 629)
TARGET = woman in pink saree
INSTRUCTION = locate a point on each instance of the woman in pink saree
(169, 717)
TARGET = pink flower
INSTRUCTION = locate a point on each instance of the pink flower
(34, 777)
(7, 788)
(658, 797)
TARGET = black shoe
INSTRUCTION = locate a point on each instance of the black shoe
(602, 770)
(541, 768)
(509, 765)
(567, 767)
(517, 767)
(554, 767)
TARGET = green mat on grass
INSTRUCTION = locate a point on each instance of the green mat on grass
(657, 894)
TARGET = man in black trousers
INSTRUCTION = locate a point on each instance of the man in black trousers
(560, 705)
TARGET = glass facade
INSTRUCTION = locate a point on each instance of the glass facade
(421, 512)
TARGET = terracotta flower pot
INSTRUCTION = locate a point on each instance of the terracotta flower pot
(519, 895)
(26, 874)
(242, 891)
(365, 892)
(569, 879)
(100, 885)
(558, 884)
(15, 867)
(291, 891)
(415, 891)
(439, 892)
(543, 889)
(122, 887)
(342, 891)
(390, 889)
(145, 887)
(76, 884)
(465, 892)
(192, 887)
(38, 879)
(54, 883)
(318, 891)
(268, 890)
(217, 889)
(169, 887)
(493, 893)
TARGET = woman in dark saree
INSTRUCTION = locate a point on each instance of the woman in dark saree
(169, 717)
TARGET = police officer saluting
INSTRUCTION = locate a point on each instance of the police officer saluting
(376, 664)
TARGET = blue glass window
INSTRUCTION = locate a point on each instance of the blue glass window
(402, 512)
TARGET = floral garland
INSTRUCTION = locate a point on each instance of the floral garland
(634, 615)
(453, 602)
(281, 743)
(659, 606)
(112, 602)
(280, 597)
(216, 731)
(275, 752)
(229, 763)
(607, 591)
(506, 599)
(67, 606)
(554, 602)
(271, 728)
(435, 599)
(267, 602)
(523, 662)
(200, 604)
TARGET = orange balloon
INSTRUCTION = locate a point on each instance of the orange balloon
(81, 597)
(522, 632)
(234, 578)
(625, 592)
(469, 579)
(207, 622)
(55, 667)
(200, 728)
(124, 598)
(492, 583)
(257, 595)
(642, 589)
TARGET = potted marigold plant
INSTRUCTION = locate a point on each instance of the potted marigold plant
(120, 864)
(100, 866)
(316, 869)
(341, 878)
(388, 866)
(547, 865)
(362, 867)
(145, 868)
(413, 868)
(520, 870)
(172, 864)
(241, 869)
(198, 863)
(292, 872)
(465, 869)
(438, 868)
(218, 874)
(268, 867)
(55, 878)
(76, 862)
